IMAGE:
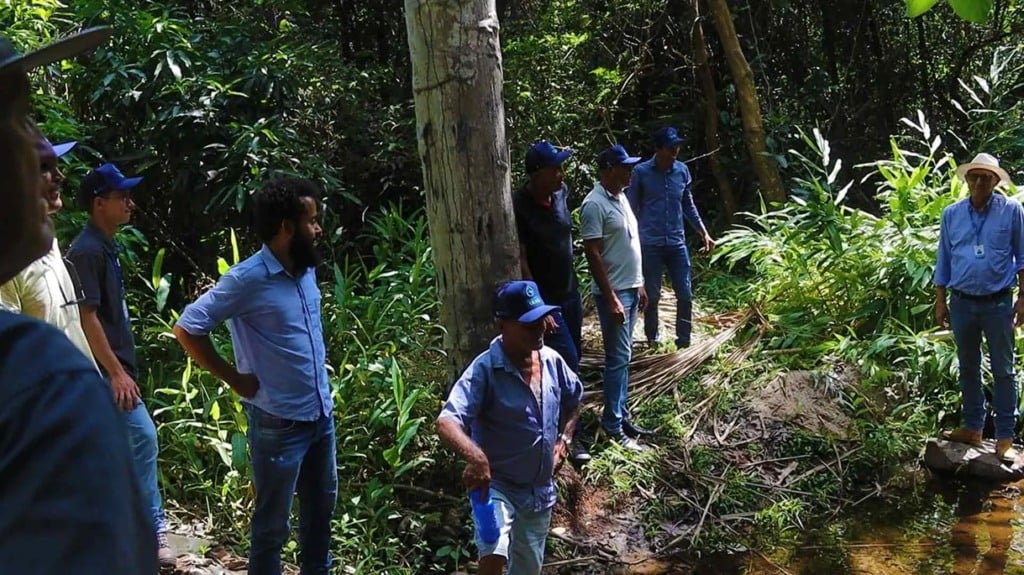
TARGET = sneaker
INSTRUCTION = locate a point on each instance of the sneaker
(635, 431)
(579, 454)
(627, 442)
(164, 552)
(1005, 451)
(964, 435)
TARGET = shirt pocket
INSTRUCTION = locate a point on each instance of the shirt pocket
(1001, 237)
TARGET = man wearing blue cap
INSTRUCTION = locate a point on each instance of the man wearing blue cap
(106, 194)
(511, 417)
(660, 194)
(45, 289)
(612, 246)
(62, 441)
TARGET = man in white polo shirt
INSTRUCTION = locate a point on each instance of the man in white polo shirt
(612, 245)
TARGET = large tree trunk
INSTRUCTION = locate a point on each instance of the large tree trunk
(460, 127)
(750, 108)
(711, 137)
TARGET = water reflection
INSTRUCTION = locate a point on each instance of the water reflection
(981, 537)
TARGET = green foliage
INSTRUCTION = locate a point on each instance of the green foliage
(976, 11)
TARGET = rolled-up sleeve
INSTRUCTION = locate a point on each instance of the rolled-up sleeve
(466, 398)
(224, 301)
(942, 271)
(91, 266)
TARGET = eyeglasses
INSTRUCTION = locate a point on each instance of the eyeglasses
(76, 283)
(980, 178)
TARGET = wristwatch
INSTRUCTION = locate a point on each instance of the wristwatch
(565, 439)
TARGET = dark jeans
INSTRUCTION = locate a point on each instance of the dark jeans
(290, 457)
(994, 319)
(677, 260)
(566, 339)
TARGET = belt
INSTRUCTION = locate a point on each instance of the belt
(986, 297)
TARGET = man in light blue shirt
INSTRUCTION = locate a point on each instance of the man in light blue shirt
(660, 196)
(511, 417)
(272, 305)
(980, 259)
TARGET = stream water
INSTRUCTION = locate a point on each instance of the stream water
(940, 527)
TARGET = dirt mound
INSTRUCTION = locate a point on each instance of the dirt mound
(808, 399)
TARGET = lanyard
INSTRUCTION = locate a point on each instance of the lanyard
(980, 225)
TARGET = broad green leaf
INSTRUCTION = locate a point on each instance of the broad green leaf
(917, 7)
(976, 11)
(161, 293)
(222, 266)
(238, 452)
(158, 264)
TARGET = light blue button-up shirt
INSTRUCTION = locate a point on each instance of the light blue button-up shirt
(998, 229)
(660, 201)
(502, 415)
(276, 332)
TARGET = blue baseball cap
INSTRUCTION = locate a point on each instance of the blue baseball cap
(520, 301)
(103, 179)
(58, 150)
(542, 155)
(615, 156)
(667, 137)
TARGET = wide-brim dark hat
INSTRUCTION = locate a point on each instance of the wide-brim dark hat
(55, 51)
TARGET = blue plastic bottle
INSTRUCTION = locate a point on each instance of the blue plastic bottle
(484, 516)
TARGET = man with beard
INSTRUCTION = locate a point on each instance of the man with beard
(45, 290)
(271, 303)
(511, 418)
(106, 194)
(70, 499)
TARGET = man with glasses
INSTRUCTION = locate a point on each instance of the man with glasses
(106, 194)
(46, 289)
(980, 260)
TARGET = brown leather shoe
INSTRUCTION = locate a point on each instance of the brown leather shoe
(964, 435)
(165, 554)
(1005, 451)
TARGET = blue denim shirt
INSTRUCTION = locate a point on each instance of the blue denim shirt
(660, 201)
(499, 410)
(276, 331)
(999, 229)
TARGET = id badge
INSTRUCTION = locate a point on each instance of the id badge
(979, 251)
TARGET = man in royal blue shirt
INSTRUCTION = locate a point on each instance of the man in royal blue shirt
(271, 303)
(661, 198)
(511, 417)
(980, 260)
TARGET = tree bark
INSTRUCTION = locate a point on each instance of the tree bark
(711, 136)
(750, 108)
(460, 128)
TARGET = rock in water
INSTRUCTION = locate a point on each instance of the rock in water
(965, 460)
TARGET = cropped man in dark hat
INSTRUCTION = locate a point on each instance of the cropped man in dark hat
(511, 418)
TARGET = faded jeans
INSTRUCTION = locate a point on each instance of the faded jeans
(618, 351)
(142, 439)
(970, 320)
(290, 457)
(523, 533)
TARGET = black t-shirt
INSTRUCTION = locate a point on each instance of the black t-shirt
(546, 234)
(95, 258)
(69, 500)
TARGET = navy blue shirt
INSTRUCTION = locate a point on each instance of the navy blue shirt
(516, 432)
(277, 334)
(660, 201)
(980, 253)
(69, 500)
(95, 258)
(545, 232)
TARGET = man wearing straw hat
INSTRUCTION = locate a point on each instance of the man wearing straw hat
(980, 260)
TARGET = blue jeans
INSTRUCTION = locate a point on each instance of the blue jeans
(970, 320)
(142, 439)
(523, 533)
(566, 339)
(677, 260)
(618, 350)
(287, 457)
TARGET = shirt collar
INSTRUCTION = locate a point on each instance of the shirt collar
(274, 267)
(498, 358)
(108, 243)
(608, 194)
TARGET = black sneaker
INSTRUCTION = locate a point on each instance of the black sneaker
(630, 429)
(627, 442)
(579, 454)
